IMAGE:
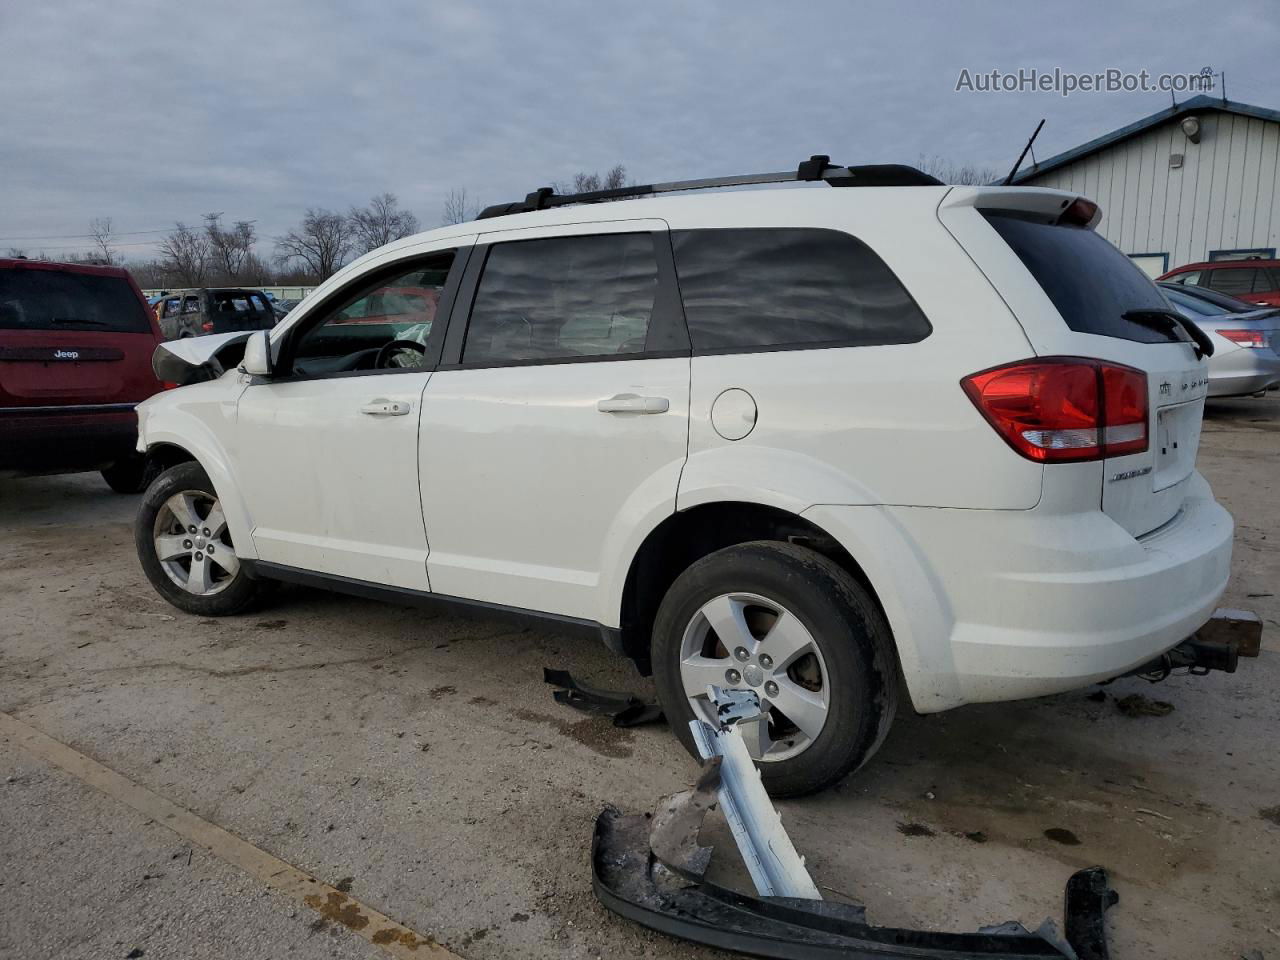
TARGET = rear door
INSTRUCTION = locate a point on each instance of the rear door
(79, 338)
(1077, 295)
(558, 422)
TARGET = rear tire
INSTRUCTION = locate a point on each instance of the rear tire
(833, 658)
(185, 549)
(128, 475)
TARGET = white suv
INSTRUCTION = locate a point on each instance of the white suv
(810, 441)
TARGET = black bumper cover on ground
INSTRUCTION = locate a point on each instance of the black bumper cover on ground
(630, 882)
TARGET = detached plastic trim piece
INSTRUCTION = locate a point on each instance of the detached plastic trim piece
(632, 883)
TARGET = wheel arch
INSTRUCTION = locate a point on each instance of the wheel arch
(684, 537)
(165, 449)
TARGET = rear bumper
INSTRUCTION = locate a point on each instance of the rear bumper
(1004, 605)
(55, 439)
(1239, 372)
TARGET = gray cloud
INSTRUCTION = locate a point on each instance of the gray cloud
(149, 112)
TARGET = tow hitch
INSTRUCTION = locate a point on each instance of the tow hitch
(1218, 645)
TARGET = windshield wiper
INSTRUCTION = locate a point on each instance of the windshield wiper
(1170, 321)
(87, 321)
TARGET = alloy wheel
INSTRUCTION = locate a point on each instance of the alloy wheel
(749, 642)
(193, 544)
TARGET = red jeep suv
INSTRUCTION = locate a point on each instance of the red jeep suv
(75, 358)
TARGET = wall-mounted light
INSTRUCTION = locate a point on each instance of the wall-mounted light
(1191, 127)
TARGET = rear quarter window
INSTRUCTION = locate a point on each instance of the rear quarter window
(760, 289)
(1091, 283)
(58, 300)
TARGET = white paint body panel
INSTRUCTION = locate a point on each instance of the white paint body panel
(1000, 578)
(334, 489)
(529, 491)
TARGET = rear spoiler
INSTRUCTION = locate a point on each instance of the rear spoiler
(1032, 203)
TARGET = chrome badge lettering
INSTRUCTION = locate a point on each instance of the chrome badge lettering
(66, 354)
(1130, 474)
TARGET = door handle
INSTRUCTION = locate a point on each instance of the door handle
(385, 408)
(631, 403)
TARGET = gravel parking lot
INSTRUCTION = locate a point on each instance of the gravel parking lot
(417, 760)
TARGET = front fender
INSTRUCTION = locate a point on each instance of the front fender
(191, 418)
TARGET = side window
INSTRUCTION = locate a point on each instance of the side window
(761, 288)
(397, 314)
(191, 305)
(563, 297)
(1190, 279)
(1232, 281)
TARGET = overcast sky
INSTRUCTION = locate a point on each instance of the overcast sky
(151, 112)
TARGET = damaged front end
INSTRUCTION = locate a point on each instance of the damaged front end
(196, 359)
(651, 869)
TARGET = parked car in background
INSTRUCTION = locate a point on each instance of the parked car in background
(75, 358)
(805, 443)
(1226, 302)
(194, 313)
(1244, 340)
(1257, 281)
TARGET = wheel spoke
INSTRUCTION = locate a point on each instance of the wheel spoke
(804, 708)
(215, 522)
(182, 506)
(727, 620)
(755, 734)
(201, 577)
(171, 548)
(787, 641)
(227, 560)
(698, 672)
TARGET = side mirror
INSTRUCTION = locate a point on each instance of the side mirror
(257, 355)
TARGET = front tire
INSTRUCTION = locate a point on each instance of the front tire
(795, 627)
(185, 548)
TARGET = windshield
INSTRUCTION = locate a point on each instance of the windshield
(1192, 306)
(1227, 304)
(58, 300)
(1092, 284)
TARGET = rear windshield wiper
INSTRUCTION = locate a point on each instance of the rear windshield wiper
(1170, 321)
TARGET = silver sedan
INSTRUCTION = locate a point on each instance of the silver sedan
(1245, 342)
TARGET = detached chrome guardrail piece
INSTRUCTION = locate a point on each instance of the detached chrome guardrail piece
(652, 871)
(775, 867)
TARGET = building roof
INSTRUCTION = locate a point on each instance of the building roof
(1200, 104)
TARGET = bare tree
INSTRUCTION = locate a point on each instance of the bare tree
(100, 233)
(957, 173)
(584, 182)
(321, 243)
(381, 222)
(229, 249)
(459, 208)
(186, 255)
(17, 253)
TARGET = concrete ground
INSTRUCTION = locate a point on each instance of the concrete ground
(418, 759)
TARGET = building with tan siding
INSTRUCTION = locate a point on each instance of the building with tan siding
(1196, 181)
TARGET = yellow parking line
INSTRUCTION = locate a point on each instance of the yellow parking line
(329, 902)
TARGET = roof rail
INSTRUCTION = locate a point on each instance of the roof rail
(817, 167)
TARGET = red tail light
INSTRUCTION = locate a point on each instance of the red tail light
(168, 385)
(1064, 409)
(1251, 339)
